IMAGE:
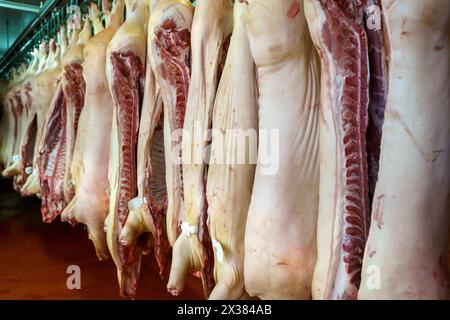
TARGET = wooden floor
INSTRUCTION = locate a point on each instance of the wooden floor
(34, 257)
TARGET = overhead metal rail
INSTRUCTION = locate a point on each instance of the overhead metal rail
(19, 6)
(21, 46)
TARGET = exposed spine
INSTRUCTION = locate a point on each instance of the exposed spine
(348, 46)
(125, 91)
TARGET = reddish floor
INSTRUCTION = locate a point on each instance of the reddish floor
(34, 257)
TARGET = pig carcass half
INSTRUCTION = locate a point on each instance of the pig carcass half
(20, 116)
(167, 82)
(29, 140)
(89, 167)
(125, 72)
(44, 87)
(192, 251)
(350, 40)
(26, 123)
(406, 252)
(280, 236)
(232, 164)
(7, 127)
(58, 138)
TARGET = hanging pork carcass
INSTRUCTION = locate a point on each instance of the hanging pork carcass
(378, 148)
(57, 142)
(10, 125)
(18, 112)
(25, 117)
(125, 71)
(406, 252)
(89, 166)
(192, 251)
(339, 35)
(232, 164)
(28, 143)
(43, 90)
(167, 83)
(280, 236)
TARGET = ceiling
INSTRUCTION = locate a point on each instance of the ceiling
(13, 22)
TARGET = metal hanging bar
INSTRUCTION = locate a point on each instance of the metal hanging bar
(19, 6)
(36, 30)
